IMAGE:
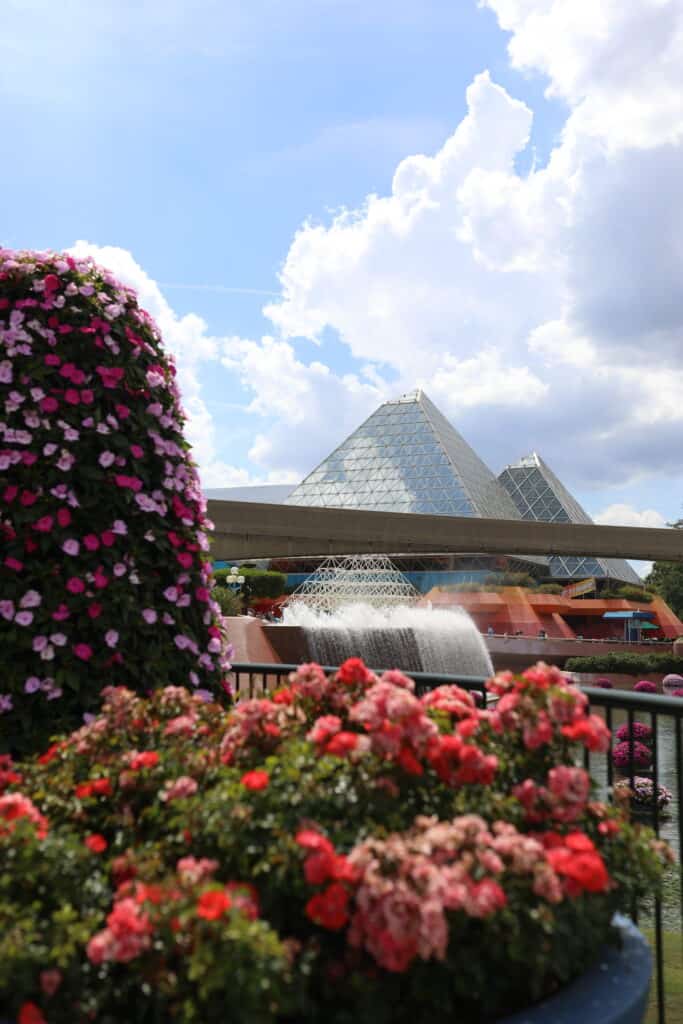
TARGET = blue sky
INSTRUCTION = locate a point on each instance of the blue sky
(215, 144)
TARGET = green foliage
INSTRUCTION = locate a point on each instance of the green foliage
(229, 602)
(629, 592)
(509, 579)
(666, 579)
(549, 588)
(627, 663)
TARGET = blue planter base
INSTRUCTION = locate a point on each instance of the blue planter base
(615, 991)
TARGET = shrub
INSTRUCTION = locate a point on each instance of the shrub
(325, 854)
(227, 600)
(103, 574)
(627, 663)
(549, 588)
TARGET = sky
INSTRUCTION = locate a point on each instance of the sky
(327, 203)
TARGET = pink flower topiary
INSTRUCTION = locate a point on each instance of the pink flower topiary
(645, 686)
(102, 522)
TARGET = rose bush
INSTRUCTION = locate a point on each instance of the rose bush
(104, 573)
(339, 850)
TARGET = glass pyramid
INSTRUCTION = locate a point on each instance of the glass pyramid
(539, 495)
(406, 457)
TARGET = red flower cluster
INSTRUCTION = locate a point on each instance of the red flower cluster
(15, 807)
(323, 865)
(255, 780)
(564, 799)
(575, 858)
(94, 787)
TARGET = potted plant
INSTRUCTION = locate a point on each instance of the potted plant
(641, 795)
(341, 850)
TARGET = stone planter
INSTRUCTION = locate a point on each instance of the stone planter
(614, 991)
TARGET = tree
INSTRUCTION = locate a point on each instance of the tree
(666, 579)
(104, 576)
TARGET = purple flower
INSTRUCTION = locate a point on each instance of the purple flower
(149, 615)
(106, 459)
(32, 684)
(40, 642)
(171, 594)
(31, 599)
(111, 638)
(603, 683)
(5, 703)
(181, 642)
(24, 618)
(58, 639)
(71, 547)
(7, 610)
(645, 686)
(631, 752)
(639, 731)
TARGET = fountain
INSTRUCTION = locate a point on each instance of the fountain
(363, 606)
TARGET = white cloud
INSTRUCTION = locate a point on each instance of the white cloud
(627, 515)
(313, 407)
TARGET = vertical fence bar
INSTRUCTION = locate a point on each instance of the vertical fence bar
(610, 766)
(679, 797)
(659, 951)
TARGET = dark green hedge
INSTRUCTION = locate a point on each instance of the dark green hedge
(630, 664)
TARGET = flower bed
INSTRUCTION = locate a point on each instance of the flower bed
(325, 854)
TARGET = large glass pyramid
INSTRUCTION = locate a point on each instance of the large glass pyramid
(406, 457)
(539, 495)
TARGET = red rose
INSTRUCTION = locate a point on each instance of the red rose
(354, 670)
(255, 780)
(213, 904)
(30, 1014)
(49, 754)
(312, 840)
(148, 759)
(318, 867)
(342, 744)
(329, 908)
(408, 762)
(96, 843)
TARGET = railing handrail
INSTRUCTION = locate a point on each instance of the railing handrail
(653, 702)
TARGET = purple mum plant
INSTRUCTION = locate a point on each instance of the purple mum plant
(638, 731)
(645, 686)
(631, 752)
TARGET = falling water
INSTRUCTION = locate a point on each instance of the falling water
(409, 638)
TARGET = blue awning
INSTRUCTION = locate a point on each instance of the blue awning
(629, 615)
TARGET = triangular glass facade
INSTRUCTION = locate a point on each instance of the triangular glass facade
(539, 495)
(406, 457)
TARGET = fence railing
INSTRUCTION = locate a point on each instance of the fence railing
(664, 715)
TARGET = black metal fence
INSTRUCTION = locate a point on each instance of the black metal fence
(664, 920)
